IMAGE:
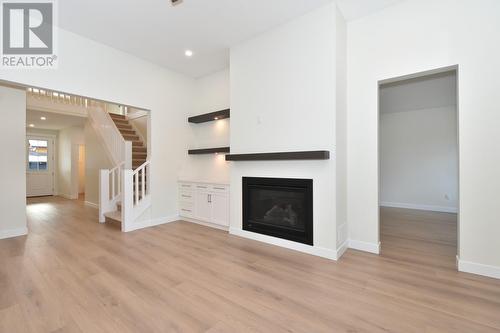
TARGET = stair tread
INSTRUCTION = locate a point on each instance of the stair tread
(120, 120)
(115, 216)
(117, 116)
(128, 130)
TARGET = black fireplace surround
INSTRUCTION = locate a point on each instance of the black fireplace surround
(279, 207)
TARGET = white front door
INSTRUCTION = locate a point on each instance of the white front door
(39, 166)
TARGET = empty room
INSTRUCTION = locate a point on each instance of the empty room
(250, 166)
(419, 176)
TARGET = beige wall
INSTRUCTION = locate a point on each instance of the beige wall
(13, 164)
(96, 159)
(141, 125)
(81, 169)
(67, 172)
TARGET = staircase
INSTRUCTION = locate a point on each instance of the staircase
(139, 159)
(139, 150)
(124, 190)
(116, 216)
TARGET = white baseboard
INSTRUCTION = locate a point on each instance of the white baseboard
(479, 269)
(342, 248)
(152, 223)
(314, 250)
(206, 224)
(10, 233)
(441, 209)
(364, 246)
(91, 204)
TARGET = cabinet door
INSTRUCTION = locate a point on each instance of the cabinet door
(220, 209)
(203, 209)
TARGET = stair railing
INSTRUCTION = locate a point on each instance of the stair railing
(53, 101)
(110, 190)
(113, 140)
(120, 153)
(136, 195)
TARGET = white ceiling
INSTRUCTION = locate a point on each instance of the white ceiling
(156, 31)
(55, 121)
(159, 32)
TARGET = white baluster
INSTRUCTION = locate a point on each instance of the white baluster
(136, 179)
(143, 184)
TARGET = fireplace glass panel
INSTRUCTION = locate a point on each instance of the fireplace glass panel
(283, 207)
(279, 207)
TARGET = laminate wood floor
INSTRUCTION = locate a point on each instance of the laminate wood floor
(72, 274)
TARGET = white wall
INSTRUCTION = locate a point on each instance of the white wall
(283, 99)
(91, 69)
(419, 159)
(13, 166)
(419, 143)
(416, 36)
(211, 94)
(341, 130)
(68, 143)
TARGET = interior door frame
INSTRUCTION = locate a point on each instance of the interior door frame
(52, 165)
(452, 68)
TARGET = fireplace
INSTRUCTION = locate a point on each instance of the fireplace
(279, 207)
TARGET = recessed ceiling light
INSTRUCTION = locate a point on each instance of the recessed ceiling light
(188, 53)
(43, 118)
(32, 125)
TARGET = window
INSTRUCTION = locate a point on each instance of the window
(38, 155)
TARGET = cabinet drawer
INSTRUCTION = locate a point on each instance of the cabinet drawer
(186, 186)
(186, 196)
(186, 209)
(219, 188)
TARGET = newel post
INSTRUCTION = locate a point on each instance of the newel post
(103, 194)
(127, 200)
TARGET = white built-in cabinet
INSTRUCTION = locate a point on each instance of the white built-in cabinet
(204, 202)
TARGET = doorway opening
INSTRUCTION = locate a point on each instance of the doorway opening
(419, 168)
(40, 166)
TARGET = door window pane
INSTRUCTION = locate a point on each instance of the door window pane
(37, 155)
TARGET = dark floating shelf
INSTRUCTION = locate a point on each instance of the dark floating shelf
(209, 151)
(294, 155)
(203, 118)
